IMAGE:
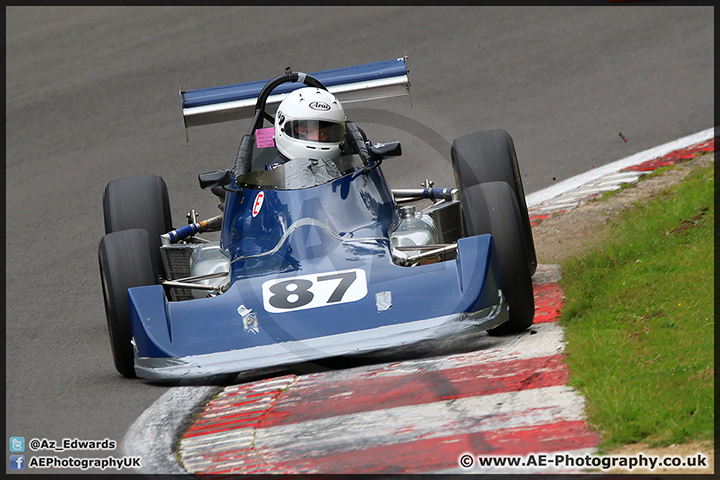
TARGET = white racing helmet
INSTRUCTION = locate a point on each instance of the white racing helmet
(310, 123)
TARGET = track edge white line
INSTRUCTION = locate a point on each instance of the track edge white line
(540, 196)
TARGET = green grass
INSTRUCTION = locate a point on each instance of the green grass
(639, 320)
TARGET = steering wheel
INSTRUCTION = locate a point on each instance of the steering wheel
(242, 161)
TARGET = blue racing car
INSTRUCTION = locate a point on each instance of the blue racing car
(317, 256)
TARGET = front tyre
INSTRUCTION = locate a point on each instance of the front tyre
(489, 156)
(138, 202)
(126, 260)
(492, 208)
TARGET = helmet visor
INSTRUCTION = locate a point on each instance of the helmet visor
(315, 130)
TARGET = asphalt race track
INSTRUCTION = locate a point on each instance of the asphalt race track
(92, 95)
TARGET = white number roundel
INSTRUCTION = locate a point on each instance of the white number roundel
(313, 291)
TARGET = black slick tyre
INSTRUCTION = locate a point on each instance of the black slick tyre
(138, 202)
(126, 261)
(492, 208)
(489, 156)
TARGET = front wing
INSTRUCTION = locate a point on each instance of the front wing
(234, 332)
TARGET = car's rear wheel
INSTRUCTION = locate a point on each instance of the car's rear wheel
(126, 260)
(492, 208)
(489, 156)
(138, 202)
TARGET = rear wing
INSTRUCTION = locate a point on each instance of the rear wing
(350, 84)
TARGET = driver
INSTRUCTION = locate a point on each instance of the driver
(310, 123)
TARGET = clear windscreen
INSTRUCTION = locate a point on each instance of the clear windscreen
(302, 173)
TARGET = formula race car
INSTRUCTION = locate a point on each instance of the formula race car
(317, 257)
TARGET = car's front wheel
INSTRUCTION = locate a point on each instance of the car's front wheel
(126, 260)
(489, 156)
(142, 202)
(492, 208)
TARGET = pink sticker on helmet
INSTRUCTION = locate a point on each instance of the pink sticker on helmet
(264, 137)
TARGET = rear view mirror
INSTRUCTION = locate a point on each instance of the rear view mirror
(219, 178)
(381, 151)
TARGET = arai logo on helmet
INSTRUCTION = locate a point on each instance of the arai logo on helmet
(319, 106)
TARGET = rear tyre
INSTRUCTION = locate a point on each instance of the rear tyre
(138, 202)
(126, 260)
(492, 208)
(489, 156)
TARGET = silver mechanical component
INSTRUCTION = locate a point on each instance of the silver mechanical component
(209, 261)
(195, 269)
(447, 217)
(414, 231)
(426, 254)
(414, 194)
(176, 260)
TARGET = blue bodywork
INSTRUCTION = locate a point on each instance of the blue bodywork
(312, 276)
(335, 227)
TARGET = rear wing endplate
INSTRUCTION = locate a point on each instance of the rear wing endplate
(350, 84)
